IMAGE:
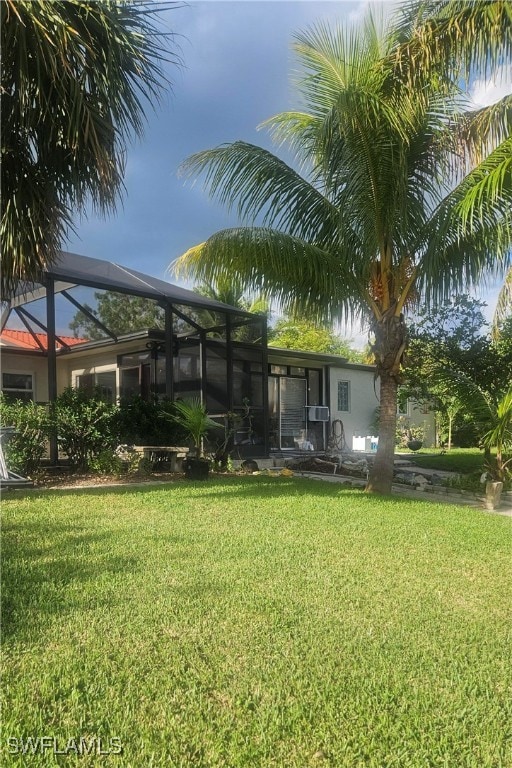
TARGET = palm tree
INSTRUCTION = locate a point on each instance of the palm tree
(75, 76)
(504, 303)
(228, 290)
(381, 215)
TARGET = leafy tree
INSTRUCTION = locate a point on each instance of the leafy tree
(119, 313)
(450, 345)
(405, 192)
(288, 333)
(75, 76)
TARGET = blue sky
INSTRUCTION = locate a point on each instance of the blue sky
(237, 65)
(236, 73)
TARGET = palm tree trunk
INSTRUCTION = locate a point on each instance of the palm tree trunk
(389, 347)
(381, 474)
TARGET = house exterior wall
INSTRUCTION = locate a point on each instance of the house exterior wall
(362, 400)
(34, 364)
(421, 417)
(358, 397)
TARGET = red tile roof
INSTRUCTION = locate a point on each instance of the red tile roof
(25, 340)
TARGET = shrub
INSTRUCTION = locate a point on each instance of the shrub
(405, 432)
(86, 426)
(149, 422)
(106, 462)
(27, 445)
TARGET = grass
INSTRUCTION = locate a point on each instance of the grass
(257, 622)
(463, 460)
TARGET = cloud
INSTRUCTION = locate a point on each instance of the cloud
(486, 92)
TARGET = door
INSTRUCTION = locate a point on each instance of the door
(287, 401)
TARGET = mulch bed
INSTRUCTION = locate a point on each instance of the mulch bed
(63, 480)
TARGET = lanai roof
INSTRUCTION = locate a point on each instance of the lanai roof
(72, 269)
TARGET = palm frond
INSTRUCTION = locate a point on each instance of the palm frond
(454, 37)
(504, 304)
(77, 77)
(298, 275)
(257, 183)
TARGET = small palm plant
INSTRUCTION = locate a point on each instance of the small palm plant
(192, 416)
(500, 438)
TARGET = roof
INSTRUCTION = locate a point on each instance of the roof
(73, 269)
(298, 357)
(24, 340)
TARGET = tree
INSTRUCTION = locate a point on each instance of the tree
(451, 343)
(450, 357)
(504, 304)
(400, 197)
(229, 290)
(75, 76)
(119, 313)
(288, 333)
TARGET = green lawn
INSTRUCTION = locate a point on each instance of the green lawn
(463, 460)
(257, 622)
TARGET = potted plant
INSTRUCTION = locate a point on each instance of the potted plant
(415, 437)
(192, 416)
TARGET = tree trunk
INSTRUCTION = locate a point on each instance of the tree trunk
(450, 419)
(389, 348)
(381, 474)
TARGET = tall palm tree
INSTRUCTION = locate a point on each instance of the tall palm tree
(75, 78)
(381, 215)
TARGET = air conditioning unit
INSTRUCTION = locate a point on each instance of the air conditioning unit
(317, 412)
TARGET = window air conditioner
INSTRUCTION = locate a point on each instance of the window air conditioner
(318, 413)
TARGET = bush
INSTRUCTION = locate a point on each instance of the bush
(24, 449)
(107, 463)
(141, 422)
(86, 426)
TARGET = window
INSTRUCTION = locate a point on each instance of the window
(314, 388)
(99, 384)
(18, 386)
(279, 370)
(344, 396)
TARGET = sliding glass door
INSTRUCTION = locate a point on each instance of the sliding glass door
(287, 401)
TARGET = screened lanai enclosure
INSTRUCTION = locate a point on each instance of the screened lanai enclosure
(99, 324)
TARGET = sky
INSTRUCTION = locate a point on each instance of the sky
(236, 72)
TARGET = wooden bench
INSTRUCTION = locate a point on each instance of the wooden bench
(176, 454)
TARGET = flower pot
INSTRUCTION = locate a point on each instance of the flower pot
(414, 445)
(196, 469)
(493, 494)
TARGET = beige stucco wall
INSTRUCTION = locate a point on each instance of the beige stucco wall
(420, 416)
(12, 363)
(363, 402)
(68, 365)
